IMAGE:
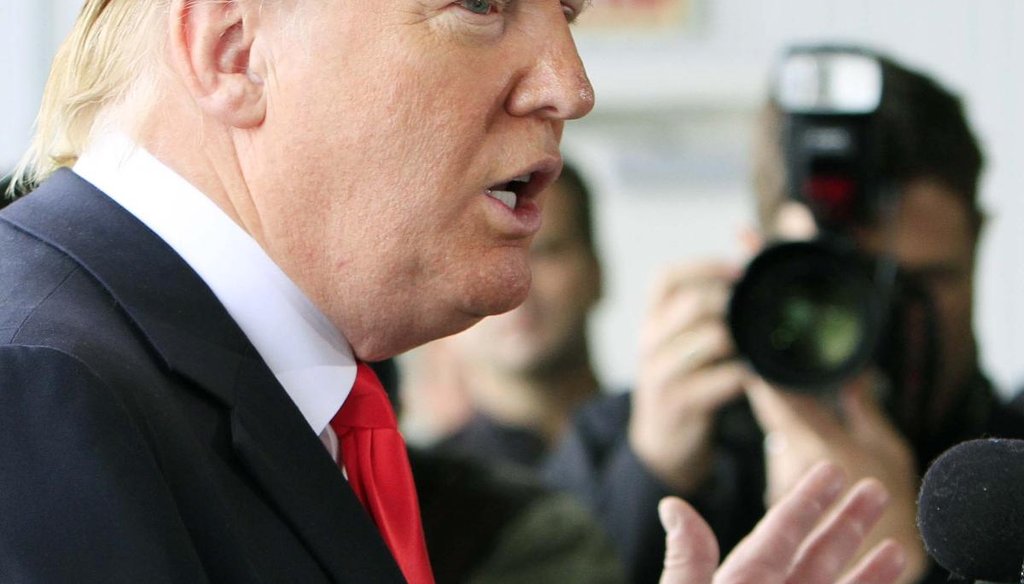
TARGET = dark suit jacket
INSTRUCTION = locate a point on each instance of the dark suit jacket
(142, 438)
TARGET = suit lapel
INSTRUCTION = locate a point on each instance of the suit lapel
(297, 478)
(195, 337)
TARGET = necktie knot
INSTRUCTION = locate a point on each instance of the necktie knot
(377, 463)
(367, 405)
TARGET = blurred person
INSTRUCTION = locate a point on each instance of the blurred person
(699, 424)
(435, 401)
(466, 383)
(227, 229)
(524, 373)
(489, 524)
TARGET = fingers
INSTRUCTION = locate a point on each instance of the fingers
(882, 565)
(685, 332)
(796, 435)
(685, 374)
(801, 431)
(698, 273)
(670, 425)
(715, 386)
(865, 416)
(691, 551)
(767, 553)
(695, 354)
(792, 544)
(836, 541)
(682, 313)
(791, 413)
(685, 296)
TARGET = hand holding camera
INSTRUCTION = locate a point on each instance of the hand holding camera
(801, 430)
(688, 371)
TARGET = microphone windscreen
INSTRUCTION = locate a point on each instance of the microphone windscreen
(971, 510)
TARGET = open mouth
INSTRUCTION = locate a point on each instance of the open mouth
(510, 192)
(521, 194)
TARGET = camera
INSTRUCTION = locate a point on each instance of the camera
(809, 315)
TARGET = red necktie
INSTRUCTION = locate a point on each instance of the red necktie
(377, 464)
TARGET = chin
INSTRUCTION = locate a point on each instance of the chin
(500, 293)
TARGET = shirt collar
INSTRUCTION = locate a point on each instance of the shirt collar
(307, 354)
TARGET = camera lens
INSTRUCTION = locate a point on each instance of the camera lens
(815, 323)
(806, 315)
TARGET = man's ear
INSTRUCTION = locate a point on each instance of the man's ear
(211, 44)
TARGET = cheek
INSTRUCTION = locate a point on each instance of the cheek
(563, 281)
(425, 168)
(954, 307)
(955, 302)
(557, 300)
(549, 288)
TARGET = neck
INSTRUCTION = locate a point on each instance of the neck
(203, 152)
(542, 402)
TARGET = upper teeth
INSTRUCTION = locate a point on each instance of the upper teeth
(522, 179)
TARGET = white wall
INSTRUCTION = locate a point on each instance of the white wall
(23, 71)
(31, 33)
(667, 142)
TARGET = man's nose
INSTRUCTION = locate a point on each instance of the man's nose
(556, 86)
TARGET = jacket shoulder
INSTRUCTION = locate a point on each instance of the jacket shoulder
(30, 271)
(73, 456)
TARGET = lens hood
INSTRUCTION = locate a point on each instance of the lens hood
(807, 315)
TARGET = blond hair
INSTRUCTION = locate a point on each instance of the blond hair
(104, 66)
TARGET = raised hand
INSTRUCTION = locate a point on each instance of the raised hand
(857, 436)
(804, 539)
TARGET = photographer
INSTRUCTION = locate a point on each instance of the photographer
(700, 424)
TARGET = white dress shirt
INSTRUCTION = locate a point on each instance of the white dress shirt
(307, 354)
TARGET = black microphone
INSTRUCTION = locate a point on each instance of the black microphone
(971, 510)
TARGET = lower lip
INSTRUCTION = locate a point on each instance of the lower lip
(523, 221)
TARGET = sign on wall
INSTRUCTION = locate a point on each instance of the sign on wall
(637, 14)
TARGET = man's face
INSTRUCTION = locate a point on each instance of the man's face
(388, 125)
(549, 329)
(933, 240)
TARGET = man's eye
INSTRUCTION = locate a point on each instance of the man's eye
(478, 6)
(573, 8)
